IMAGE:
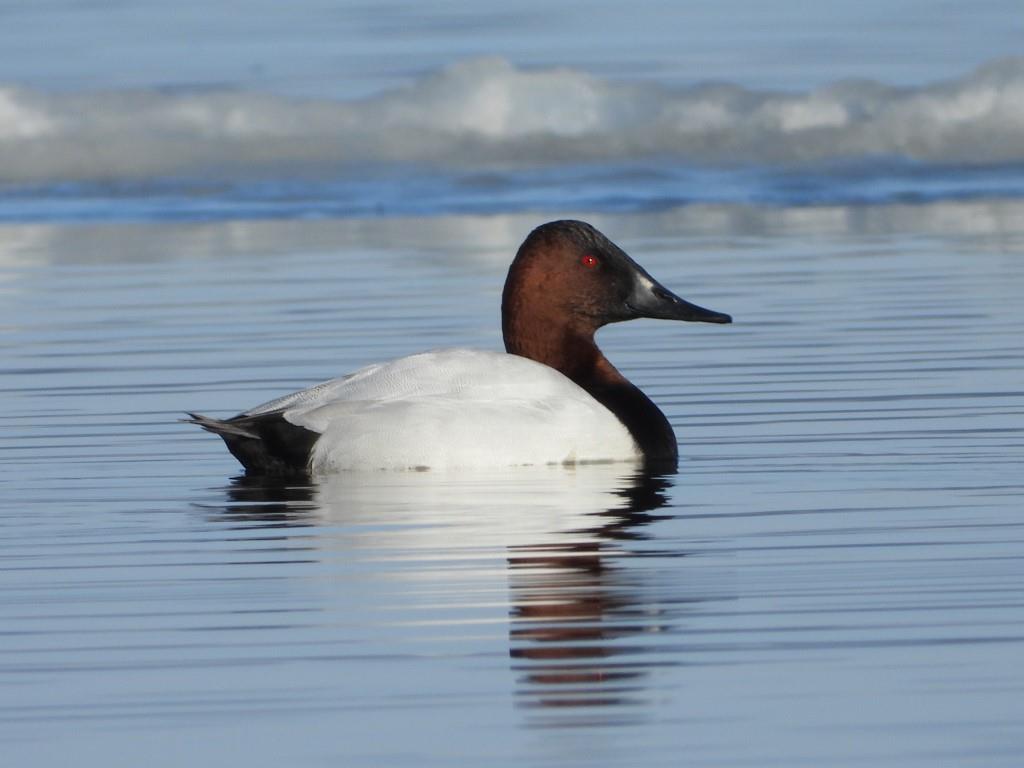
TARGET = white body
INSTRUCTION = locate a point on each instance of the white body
(454, 408)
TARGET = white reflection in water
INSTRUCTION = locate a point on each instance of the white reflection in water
(557, 536)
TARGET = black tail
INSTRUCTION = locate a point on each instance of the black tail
(265, 444)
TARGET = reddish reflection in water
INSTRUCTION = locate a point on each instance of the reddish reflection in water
(574, 611)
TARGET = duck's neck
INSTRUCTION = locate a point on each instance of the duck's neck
(574, 353)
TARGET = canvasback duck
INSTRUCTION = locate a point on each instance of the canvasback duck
(553, 397)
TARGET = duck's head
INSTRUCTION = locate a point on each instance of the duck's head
(567, 276)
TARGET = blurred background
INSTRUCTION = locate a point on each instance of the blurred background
(252, 109)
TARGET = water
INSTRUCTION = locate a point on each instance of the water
(835, 576)
(354, 49)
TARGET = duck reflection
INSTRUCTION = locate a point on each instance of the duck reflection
(579, 607)
(573, 608)
(271, 502)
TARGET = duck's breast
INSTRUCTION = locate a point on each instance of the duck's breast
(455, 408)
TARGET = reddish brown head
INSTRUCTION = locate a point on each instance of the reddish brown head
(568, 280)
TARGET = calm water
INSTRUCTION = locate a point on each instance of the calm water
(834, 577)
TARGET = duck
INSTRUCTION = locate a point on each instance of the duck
(552, 397)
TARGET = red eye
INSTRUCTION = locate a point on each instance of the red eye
(589, 261)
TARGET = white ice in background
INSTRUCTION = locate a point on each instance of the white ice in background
(20, 119)
(488, 114)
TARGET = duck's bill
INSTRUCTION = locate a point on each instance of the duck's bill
(651, 299)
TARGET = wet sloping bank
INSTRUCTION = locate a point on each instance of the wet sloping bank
(482, 136)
